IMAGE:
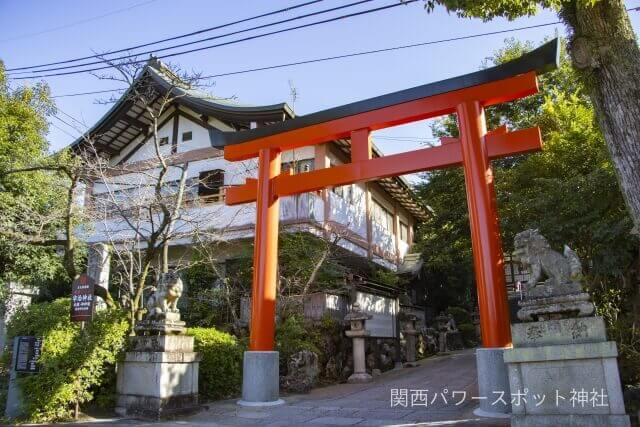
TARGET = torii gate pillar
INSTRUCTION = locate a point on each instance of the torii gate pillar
(261, 376)
(488, 259)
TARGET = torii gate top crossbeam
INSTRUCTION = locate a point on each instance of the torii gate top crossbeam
(466, 96)
(431, 100)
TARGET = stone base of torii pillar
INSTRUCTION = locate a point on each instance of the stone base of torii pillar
(260, 379)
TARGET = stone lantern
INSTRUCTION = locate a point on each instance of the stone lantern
(442, 322)
(475, 318)
(410, 332)
(357, 319)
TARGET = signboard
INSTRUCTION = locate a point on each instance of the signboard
(319, 304)
(383, 310)
(27, 354)
(82, 299)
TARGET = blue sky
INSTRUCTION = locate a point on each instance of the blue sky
(320, 85)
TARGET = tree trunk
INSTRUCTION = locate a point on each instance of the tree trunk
(604, 50)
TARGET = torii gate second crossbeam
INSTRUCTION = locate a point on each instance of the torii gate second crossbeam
(466, 96)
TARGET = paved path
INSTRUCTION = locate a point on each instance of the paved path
(364, 404)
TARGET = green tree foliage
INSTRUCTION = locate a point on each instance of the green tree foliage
(605, 54)
(23, 129)
(305, 261)
(73, 363)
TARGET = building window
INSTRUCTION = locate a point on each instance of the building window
(164, 140)
(346, 193)
(298, 166)
(382, 216)
(187, 136)
(210, 186)
(404, 232)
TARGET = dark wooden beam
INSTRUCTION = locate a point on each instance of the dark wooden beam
(174, 140)
(133, 121)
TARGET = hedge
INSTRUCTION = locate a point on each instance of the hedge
(220, 375)
(73, 363)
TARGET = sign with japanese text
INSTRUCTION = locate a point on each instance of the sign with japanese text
(27, 354)
(383, 311)
(82, 299)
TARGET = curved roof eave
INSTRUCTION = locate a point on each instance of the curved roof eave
(205, 106)
(109, 115)
(275, 112)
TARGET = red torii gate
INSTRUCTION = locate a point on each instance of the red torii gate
(466, 96)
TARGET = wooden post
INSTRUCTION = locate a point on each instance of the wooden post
(485, 228)
(265, 254)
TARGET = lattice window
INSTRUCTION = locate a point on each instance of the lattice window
(211, 186)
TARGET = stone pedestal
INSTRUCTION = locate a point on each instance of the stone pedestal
(158, 376)
(547, 302)
(163, 324)
(260, 379)
(493, 382)
(571, 363)
(360, 374)
(98, 266)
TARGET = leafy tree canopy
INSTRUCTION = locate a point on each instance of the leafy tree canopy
(23, 129)
(489, 9)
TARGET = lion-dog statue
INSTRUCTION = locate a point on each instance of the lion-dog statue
(165, 298)
(534, 252)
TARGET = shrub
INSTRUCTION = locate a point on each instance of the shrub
(616, 307)
(292, 336)
(460, 315)
(468, 333)
(381, 275)
(328, 337)
(73, 362)
(220, 373)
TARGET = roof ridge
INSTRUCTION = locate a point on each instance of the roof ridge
(164, 71)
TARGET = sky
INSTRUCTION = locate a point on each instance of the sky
(35, 32)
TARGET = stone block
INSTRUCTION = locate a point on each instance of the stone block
(156, 378)
(570, 421)
(260, 379)
(160, 357)
(560, 332)
(164, 343)
(554, 307)
(579, 379)
(156, 407)
(561, 352)
(159, 378)
(359, 378)
(545, 290)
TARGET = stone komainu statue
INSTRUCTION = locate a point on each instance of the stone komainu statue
(534, 252)
(165, 298)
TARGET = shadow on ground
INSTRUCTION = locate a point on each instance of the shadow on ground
(439, 392)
